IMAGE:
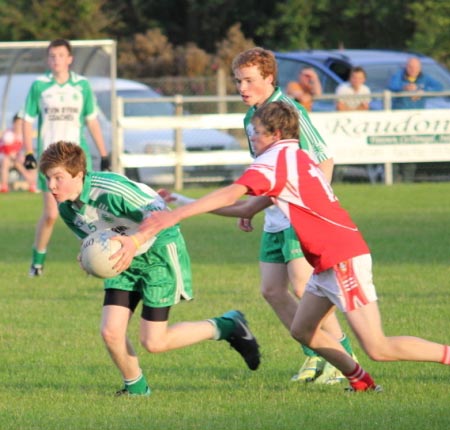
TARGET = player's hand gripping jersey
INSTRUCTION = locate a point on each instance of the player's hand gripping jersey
(297, 186)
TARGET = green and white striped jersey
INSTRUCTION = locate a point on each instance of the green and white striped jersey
(112, 201)
(61, 109)
(310, 138)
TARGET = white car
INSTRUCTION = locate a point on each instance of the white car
(135, 141)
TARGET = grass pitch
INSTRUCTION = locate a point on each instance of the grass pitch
(56, 374)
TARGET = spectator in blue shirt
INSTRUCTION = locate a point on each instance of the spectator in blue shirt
(411, 78)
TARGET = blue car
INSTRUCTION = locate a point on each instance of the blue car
(333, 67)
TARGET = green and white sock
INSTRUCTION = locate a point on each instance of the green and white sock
(137, 386)
(224, 327)
(38, 257)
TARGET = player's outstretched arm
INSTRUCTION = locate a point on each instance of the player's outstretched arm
(160, 220)
(247, 208)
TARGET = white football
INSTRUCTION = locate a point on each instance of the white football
(95, 252)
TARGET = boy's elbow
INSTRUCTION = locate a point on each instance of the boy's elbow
(247, 213)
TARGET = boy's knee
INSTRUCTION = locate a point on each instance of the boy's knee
(109, 336)
(154, 347)
(377, 351)
(300, 335)
(377, 355)
(271, 293)
(50, 218)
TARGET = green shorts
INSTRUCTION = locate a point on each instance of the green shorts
(162, 275)
(280, 247)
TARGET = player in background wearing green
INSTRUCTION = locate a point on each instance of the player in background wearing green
(281, 258)
(285, 175)
(63, 102)
(156, 271)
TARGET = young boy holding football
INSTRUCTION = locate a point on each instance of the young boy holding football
(285, 175)
(160, 276)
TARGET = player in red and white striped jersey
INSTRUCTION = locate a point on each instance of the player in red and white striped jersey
(285, 175)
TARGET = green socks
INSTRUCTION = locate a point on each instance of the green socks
(224, 327)
(345, 342)
(137, 386)
(309, 352)
(38, 258)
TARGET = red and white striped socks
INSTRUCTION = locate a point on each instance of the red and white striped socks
(360, 380)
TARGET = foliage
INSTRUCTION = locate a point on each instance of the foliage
(432, 36)
(202, 34)
(290, 26)
(151, 55)
(192, 61)
(46, 20)
(229, 47)
(369, 24)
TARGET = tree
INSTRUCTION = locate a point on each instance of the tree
(432, 36)
(152, 55)
(148, 55)
(229, 47)
(199, 28)
(289, 27)
(50, 19)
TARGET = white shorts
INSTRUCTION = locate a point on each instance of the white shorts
(348, 284)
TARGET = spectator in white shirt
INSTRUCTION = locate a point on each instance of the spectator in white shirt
(355, 86)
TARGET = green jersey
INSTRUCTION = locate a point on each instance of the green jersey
(61, 109)
(112, 201)
(310, 138)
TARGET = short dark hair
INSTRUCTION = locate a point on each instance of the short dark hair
(357, 69)
(60, 42)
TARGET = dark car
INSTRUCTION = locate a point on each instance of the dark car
(333, 67)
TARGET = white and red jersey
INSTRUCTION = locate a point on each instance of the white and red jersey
(297, 186)
(10, 143)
